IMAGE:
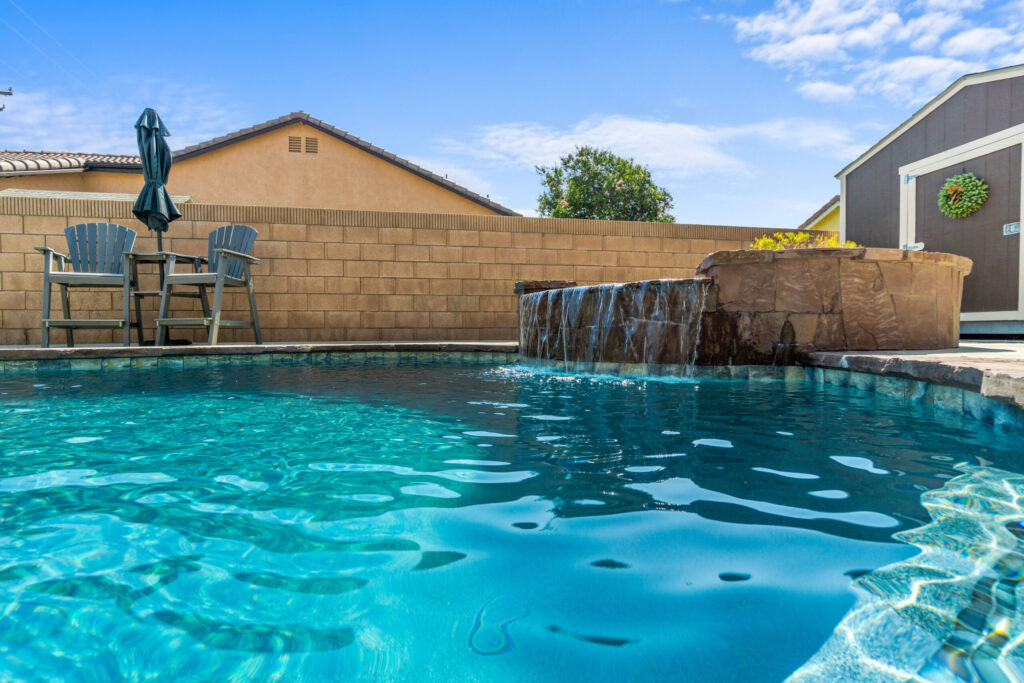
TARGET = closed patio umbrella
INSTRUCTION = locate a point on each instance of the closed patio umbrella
(154, 206)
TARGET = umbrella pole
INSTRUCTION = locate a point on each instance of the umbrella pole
(159, 240)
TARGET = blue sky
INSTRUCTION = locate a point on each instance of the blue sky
(743, 110)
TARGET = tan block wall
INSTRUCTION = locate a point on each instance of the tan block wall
(334, 275)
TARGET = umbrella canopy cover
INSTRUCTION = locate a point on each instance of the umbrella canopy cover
(154, 206)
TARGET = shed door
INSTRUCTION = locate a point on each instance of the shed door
(993, 283)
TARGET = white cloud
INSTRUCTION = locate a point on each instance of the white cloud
(904, 50)
(827, 91)
(821, 47)
(912, 80)
(461, 174)
(42, 120)
(975, 41)
(826, 139)
(674, 149)
(925, 31)
(681, 148)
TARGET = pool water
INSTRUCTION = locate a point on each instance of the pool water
(446, 521)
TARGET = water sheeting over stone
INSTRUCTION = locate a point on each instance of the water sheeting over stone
(655, 321)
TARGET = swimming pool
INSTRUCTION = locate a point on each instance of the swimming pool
(446, 521)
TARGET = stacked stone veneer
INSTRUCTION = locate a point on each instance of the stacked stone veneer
(755, 307)
(773, 304)
(334, 275)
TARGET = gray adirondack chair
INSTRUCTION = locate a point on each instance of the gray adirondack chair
(229, 262)
(96, 253)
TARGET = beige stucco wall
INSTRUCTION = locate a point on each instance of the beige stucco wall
(329, 275)
(260, 171)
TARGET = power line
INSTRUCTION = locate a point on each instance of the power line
(37, 49)
(50, 36)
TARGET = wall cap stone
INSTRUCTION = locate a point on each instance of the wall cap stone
(745, 256)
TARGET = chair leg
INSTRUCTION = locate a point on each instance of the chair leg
(127, 311)
(252, 305)
(66, 305)
(44, 333)
(204, 301)
(139, 337)
(218, 299)
(165, 304)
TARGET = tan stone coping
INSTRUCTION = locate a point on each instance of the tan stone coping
(740, 256)
(18, 353)
(992, 369)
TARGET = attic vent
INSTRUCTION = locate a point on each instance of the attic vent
(311, 145)
(294, 144)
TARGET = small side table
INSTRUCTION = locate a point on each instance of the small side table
(160, 258)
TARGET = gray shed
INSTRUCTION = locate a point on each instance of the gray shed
(889, 195)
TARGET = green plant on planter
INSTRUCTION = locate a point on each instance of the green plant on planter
(962, 195)
(804, 239)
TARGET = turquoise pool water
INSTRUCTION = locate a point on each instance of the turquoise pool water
(441, 521)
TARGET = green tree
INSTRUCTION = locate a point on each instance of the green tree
(594, 183)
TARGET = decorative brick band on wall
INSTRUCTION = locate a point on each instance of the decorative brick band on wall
(334, 275)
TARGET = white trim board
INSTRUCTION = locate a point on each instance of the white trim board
(842, 210)
(907, 178)
(938, 101)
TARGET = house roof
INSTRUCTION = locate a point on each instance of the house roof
(940, 99)
(13, 162)
(807, 224)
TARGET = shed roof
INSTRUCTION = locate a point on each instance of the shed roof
(24, 162)
(957, 85)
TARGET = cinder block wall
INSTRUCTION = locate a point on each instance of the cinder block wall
(334, 275)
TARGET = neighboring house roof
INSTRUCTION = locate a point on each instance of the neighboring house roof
(14, 162)
(91, 196)
(819, 214)
(938, 101)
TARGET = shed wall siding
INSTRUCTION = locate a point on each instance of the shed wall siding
(992, 285)
(873, 189)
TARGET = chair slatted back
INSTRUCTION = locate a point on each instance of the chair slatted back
(238, 238)
(99, 247)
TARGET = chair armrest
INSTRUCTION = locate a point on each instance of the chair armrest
(49, 250)
(184, 257)
(237, 254)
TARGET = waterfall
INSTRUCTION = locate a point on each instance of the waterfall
(649, 322)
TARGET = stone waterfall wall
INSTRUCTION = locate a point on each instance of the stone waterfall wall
(754, 307)
(649, 322)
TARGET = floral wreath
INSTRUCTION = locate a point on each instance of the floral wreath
(962, 195)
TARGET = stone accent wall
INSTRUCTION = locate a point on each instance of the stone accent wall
(774, 304)
(334, 275)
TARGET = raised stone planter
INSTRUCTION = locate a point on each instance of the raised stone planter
(772, 304)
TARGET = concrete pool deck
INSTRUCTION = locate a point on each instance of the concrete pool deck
(993, 369)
